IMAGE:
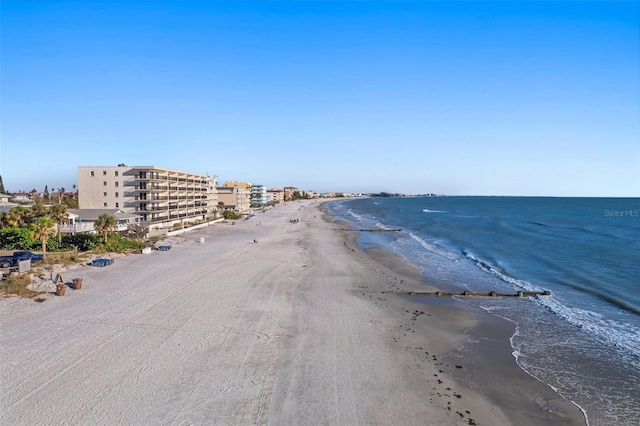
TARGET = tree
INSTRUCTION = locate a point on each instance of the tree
(105, 223)
(36, 211)
(61, 192)
(2, 190)
(43, 229)
(17, 216)
(70, 203)
(58, 212)
(230, 214)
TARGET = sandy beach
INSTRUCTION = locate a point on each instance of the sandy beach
(300, 328)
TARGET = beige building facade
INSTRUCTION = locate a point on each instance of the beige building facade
(238, 199)
(288, 192)
(275, 195)
(161, 196)
(240, 185)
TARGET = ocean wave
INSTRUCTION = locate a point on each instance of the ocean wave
(487, 267)
(433, 248)
(383, 226)
(354, 215)
(433, 211)
(621, 335)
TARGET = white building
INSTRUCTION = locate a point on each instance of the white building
(5, 205)
(259, 195)
(83, 220)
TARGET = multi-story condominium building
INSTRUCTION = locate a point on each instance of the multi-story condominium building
(240, 185)
(288, 192)
(238, 199)
(259, 195)
(160, 196)
(276, 195)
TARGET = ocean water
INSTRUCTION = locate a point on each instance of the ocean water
(584, 339)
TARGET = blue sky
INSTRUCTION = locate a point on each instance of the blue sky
(460, 98)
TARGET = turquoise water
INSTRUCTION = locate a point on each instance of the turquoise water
(584, 340)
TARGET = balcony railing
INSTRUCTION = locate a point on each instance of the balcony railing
(88, 227)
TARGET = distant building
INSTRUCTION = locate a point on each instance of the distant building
(22, 197)
(5, 205)
(276, 195)
(238, 199)
(240, 185)
(259, 195)
(288, 192)
(67, 194)
(160, 196)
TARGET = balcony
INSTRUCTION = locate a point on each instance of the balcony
(88, 227)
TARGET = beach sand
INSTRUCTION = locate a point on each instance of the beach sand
(300, 328)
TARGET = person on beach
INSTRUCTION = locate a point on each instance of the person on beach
(255, 241)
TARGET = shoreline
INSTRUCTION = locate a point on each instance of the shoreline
(298, 328)
(483, 345)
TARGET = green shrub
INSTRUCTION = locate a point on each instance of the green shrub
(84, 242)
(230, 214)
(12, 238)
(116, 243)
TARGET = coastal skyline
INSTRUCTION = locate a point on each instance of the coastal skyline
(455, 98)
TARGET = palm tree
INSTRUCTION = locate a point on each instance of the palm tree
(58, 212)
(105, 223)
(36, 211)
(17, 216)
(42, 229)
(61, 192)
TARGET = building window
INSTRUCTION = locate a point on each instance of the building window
(104, 204)
(92, 173)
(104, 183)
(117, 194)
(104, 194)
(116, 173)
(117, 183)
(104, 173)
(117, 205)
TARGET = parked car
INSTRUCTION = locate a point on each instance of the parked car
(9, 261)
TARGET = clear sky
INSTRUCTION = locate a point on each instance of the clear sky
(460, 98)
